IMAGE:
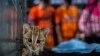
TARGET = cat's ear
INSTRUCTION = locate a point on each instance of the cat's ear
(25, 25)
(26, 29)
(45, 31)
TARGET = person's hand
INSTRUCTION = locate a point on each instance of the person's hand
(80, 36)
(66, 18)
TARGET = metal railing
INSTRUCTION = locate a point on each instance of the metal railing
(11, 20)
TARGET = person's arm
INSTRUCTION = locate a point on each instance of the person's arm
(75, 18)
(57, 20)
(82, 24)
(30, 20)
(32, 16)
(58, 33)
(75, 14)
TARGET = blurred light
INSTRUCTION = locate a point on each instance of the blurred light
(79, 1)
(57, 1)
(51, 1)
(36, 1)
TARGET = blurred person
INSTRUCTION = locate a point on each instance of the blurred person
(66, 21)
(42, 16)
(89, 22)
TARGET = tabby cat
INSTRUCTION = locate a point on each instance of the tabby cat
(33, 39)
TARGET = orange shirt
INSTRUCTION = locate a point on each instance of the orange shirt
(44, 19)
(44, 16)
(68, 23)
